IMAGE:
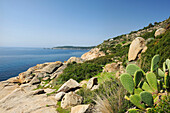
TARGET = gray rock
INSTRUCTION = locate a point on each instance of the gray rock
(75, 59)
(93, 81)
(58, 71)
(81, 109)
(35, 80)
(51, 67)
(135, 48)
(93, 53)
(19, 101)
(160, 31)
(111, 67)
(71, 99)
(95, 87)
(69, 85)
(37, 92)
(59, 96)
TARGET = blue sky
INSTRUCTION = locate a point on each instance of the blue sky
(49, 23)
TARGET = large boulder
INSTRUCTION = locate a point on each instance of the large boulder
(75, 59)
(26, 76)
(111, 67)
(160, 31)
(21, 100)
(68, 86)
(135, 48)
(13, 80)
(71, 99)
(51, 67)
(81, 109)
(93, 81)
(6, 88)
(35, 80)
(58, 71)
(59, 96)
(93, 53)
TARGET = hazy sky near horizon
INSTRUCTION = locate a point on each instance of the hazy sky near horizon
(49, 23)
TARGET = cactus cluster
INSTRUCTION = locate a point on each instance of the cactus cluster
(144, 88)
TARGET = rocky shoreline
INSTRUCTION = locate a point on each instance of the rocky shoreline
(20, 94)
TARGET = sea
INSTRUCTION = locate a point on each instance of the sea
(14, 60)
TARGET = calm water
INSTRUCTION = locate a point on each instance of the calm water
(16, 60)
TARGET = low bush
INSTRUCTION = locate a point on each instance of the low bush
(160, 46)
(79, 71)
(148, 35)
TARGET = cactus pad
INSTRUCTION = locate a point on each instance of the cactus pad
(151, 78)
(136, 100)
(146, 87)
(147, 98)
(138, 91)
(161, 73)
(154, 63)
(127, 82)
(132, 68)
(137, 77)
(168, 63)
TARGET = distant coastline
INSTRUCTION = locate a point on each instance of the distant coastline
(72, 47)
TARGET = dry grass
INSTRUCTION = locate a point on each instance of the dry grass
(112, 99)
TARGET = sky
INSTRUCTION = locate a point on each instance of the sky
(50, 23)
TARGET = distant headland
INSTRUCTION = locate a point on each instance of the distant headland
(73, 47)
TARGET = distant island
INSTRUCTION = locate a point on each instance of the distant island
(73, 47)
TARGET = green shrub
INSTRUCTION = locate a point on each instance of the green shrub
(159, 46)
(79, 72)
(123, 42)
(60, 109)
(148, 35)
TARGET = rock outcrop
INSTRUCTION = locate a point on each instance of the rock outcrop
(58, 71)
(160, 31)
(81, 109)
(111, 67)
(40, 70)
(71, 99)
(93, 81)
(23, 99)
(93, 53)
(135, 48)
(51, 67)
(59, 96)
(69, 85)
(75, 59)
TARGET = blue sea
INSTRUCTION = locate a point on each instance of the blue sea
(14, 60)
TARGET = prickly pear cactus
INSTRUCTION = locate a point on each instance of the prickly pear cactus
(127, 82)
(137, 77)
(154, 63)
(147, 98)
(161, 73)
(132, 68)
(146, 87)
(138, 91)
(136, 100)
(152, 80)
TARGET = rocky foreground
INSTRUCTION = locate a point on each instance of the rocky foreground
(22, 94)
